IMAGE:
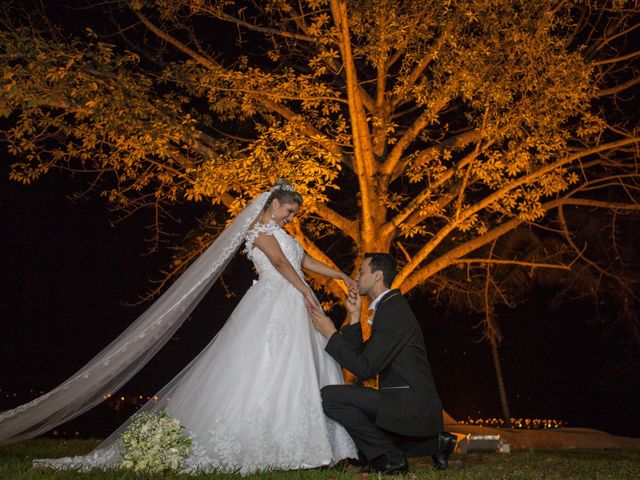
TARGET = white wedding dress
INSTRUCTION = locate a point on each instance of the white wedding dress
(251, 399)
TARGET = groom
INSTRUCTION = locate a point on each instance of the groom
(404, 417)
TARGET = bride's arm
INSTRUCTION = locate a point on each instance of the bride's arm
(316, 266)
(271, 248)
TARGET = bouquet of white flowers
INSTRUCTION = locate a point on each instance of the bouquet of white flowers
(154, 442)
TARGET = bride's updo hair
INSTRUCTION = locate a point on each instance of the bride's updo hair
(284, 192)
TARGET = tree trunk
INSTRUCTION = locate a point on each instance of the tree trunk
(504, 403)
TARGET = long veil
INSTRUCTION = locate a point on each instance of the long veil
(129, 352)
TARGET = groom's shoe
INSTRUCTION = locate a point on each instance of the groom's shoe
(446, 444)
(385, 466)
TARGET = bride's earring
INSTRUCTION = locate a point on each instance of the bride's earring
(273, 215)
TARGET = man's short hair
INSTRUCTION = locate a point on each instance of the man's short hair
(385, 263)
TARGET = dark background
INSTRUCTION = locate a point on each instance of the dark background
(66, 272)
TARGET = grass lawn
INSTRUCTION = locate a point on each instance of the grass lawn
(15, 463)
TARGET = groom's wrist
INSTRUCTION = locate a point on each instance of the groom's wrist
(328, 332)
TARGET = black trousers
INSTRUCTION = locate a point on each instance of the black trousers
(355, 408)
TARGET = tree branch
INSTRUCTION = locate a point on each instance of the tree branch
(364, 160)
(406, 280)
(425, 61)
(608, 61)
(349, 227)
(618, 88)
(512, 262)
(585, 202)
(206, 62)
(459, 141)
(256, 28)
(608, 39)
(495, 196)
(367, 101)
(410, 209)
(410, 135)
(591, 263)
(335, 287)
(306, 128)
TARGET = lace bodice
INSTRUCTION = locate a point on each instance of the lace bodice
(289, 245)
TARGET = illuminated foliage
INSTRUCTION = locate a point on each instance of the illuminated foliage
(428, 129)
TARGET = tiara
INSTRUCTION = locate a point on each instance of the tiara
(284, 186)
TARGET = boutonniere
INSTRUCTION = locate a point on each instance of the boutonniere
(372, 313)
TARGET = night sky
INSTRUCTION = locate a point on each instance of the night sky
(66, 274)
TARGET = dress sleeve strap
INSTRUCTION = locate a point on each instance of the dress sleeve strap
(265, 228)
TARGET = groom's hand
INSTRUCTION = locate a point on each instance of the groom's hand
(354, 305)
(321, 322)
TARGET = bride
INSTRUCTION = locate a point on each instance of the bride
(250, 400)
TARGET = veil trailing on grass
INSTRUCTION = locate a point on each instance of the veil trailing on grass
(128, 353)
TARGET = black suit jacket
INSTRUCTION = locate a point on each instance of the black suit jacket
(396, 352)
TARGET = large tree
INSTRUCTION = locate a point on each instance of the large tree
(428, 129)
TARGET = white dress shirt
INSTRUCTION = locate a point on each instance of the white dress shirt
(374, 304)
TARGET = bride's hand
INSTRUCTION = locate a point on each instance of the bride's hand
(310, 299)
(349, 282)
(354, 303)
